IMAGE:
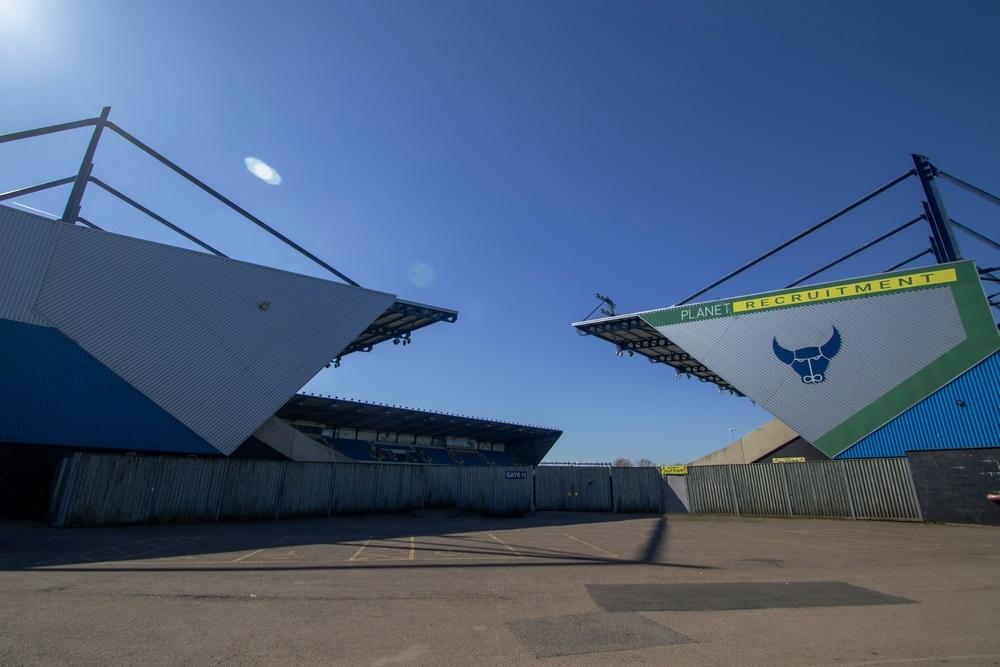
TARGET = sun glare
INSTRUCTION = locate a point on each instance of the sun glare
(263, 171)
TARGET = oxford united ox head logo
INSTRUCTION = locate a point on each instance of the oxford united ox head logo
(810, 362)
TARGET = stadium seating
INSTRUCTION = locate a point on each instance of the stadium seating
(498, 458)
(437, 456)
(356, 449)
(468, 458)
(362, 450)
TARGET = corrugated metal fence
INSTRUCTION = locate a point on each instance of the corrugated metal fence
(572, 488)
(103, 489)
(858, 489)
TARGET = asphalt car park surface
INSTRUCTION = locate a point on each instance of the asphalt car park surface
(443, 588)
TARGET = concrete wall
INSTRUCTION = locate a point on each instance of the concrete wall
(952, 485)
(752, 446)
(677, 494)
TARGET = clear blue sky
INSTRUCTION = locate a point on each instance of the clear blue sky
(531, 153)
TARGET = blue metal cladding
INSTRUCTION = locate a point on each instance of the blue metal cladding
(963, 414)
(52, 392)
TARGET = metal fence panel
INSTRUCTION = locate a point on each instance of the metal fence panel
(638, 490)
(442, 486)
(882, 489)
(108, 489)
(573, 488)
(306, 489)
(188, 489)
(760, 490)
(250, 489)
(817, 489)
(710, 490)
(495, 489)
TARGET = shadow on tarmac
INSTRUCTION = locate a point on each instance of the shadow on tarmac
(399, 539)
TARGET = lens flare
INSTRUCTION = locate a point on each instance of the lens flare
(263, 171)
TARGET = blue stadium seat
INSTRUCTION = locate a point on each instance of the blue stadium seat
(499, 458)
(437, 456)
(468, 458)
(356, 449)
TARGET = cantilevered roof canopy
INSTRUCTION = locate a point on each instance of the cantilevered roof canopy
(530, 443)
(397, 323)
(632, 335)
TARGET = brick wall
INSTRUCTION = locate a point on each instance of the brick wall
(952, 484)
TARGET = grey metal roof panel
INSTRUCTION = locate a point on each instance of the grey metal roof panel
(220, 344)
(922, 324)
(25, 248)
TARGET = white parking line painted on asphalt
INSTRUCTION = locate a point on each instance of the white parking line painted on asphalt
(254, 553)
(593, 546)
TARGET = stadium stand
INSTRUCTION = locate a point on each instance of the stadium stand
(366, 431)
(468, 458)
(356, 449)
(498, 458)
(437, 456)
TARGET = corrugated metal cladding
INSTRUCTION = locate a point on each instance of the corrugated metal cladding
(104, 489)
(25, 248)
(885, 340)
(52, 392)
(963, 414)
(495, 489)
(859, 489)
(566, 488)
(220, 344)
(711, 490)
(638, 490)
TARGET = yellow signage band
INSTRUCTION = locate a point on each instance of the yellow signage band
(673, 470)
(861, 288)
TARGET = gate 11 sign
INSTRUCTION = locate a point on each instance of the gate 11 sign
(516, 474)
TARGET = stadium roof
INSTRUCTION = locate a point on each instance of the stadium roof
(530, 443)
(397, 323)
(632, 335)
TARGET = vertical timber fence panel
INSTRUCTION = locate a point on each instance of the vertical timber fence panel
(638, 490)
(573, 488)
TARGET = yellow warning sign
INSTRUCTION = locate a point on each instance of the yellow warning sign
(673, 470)
(789, 459)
